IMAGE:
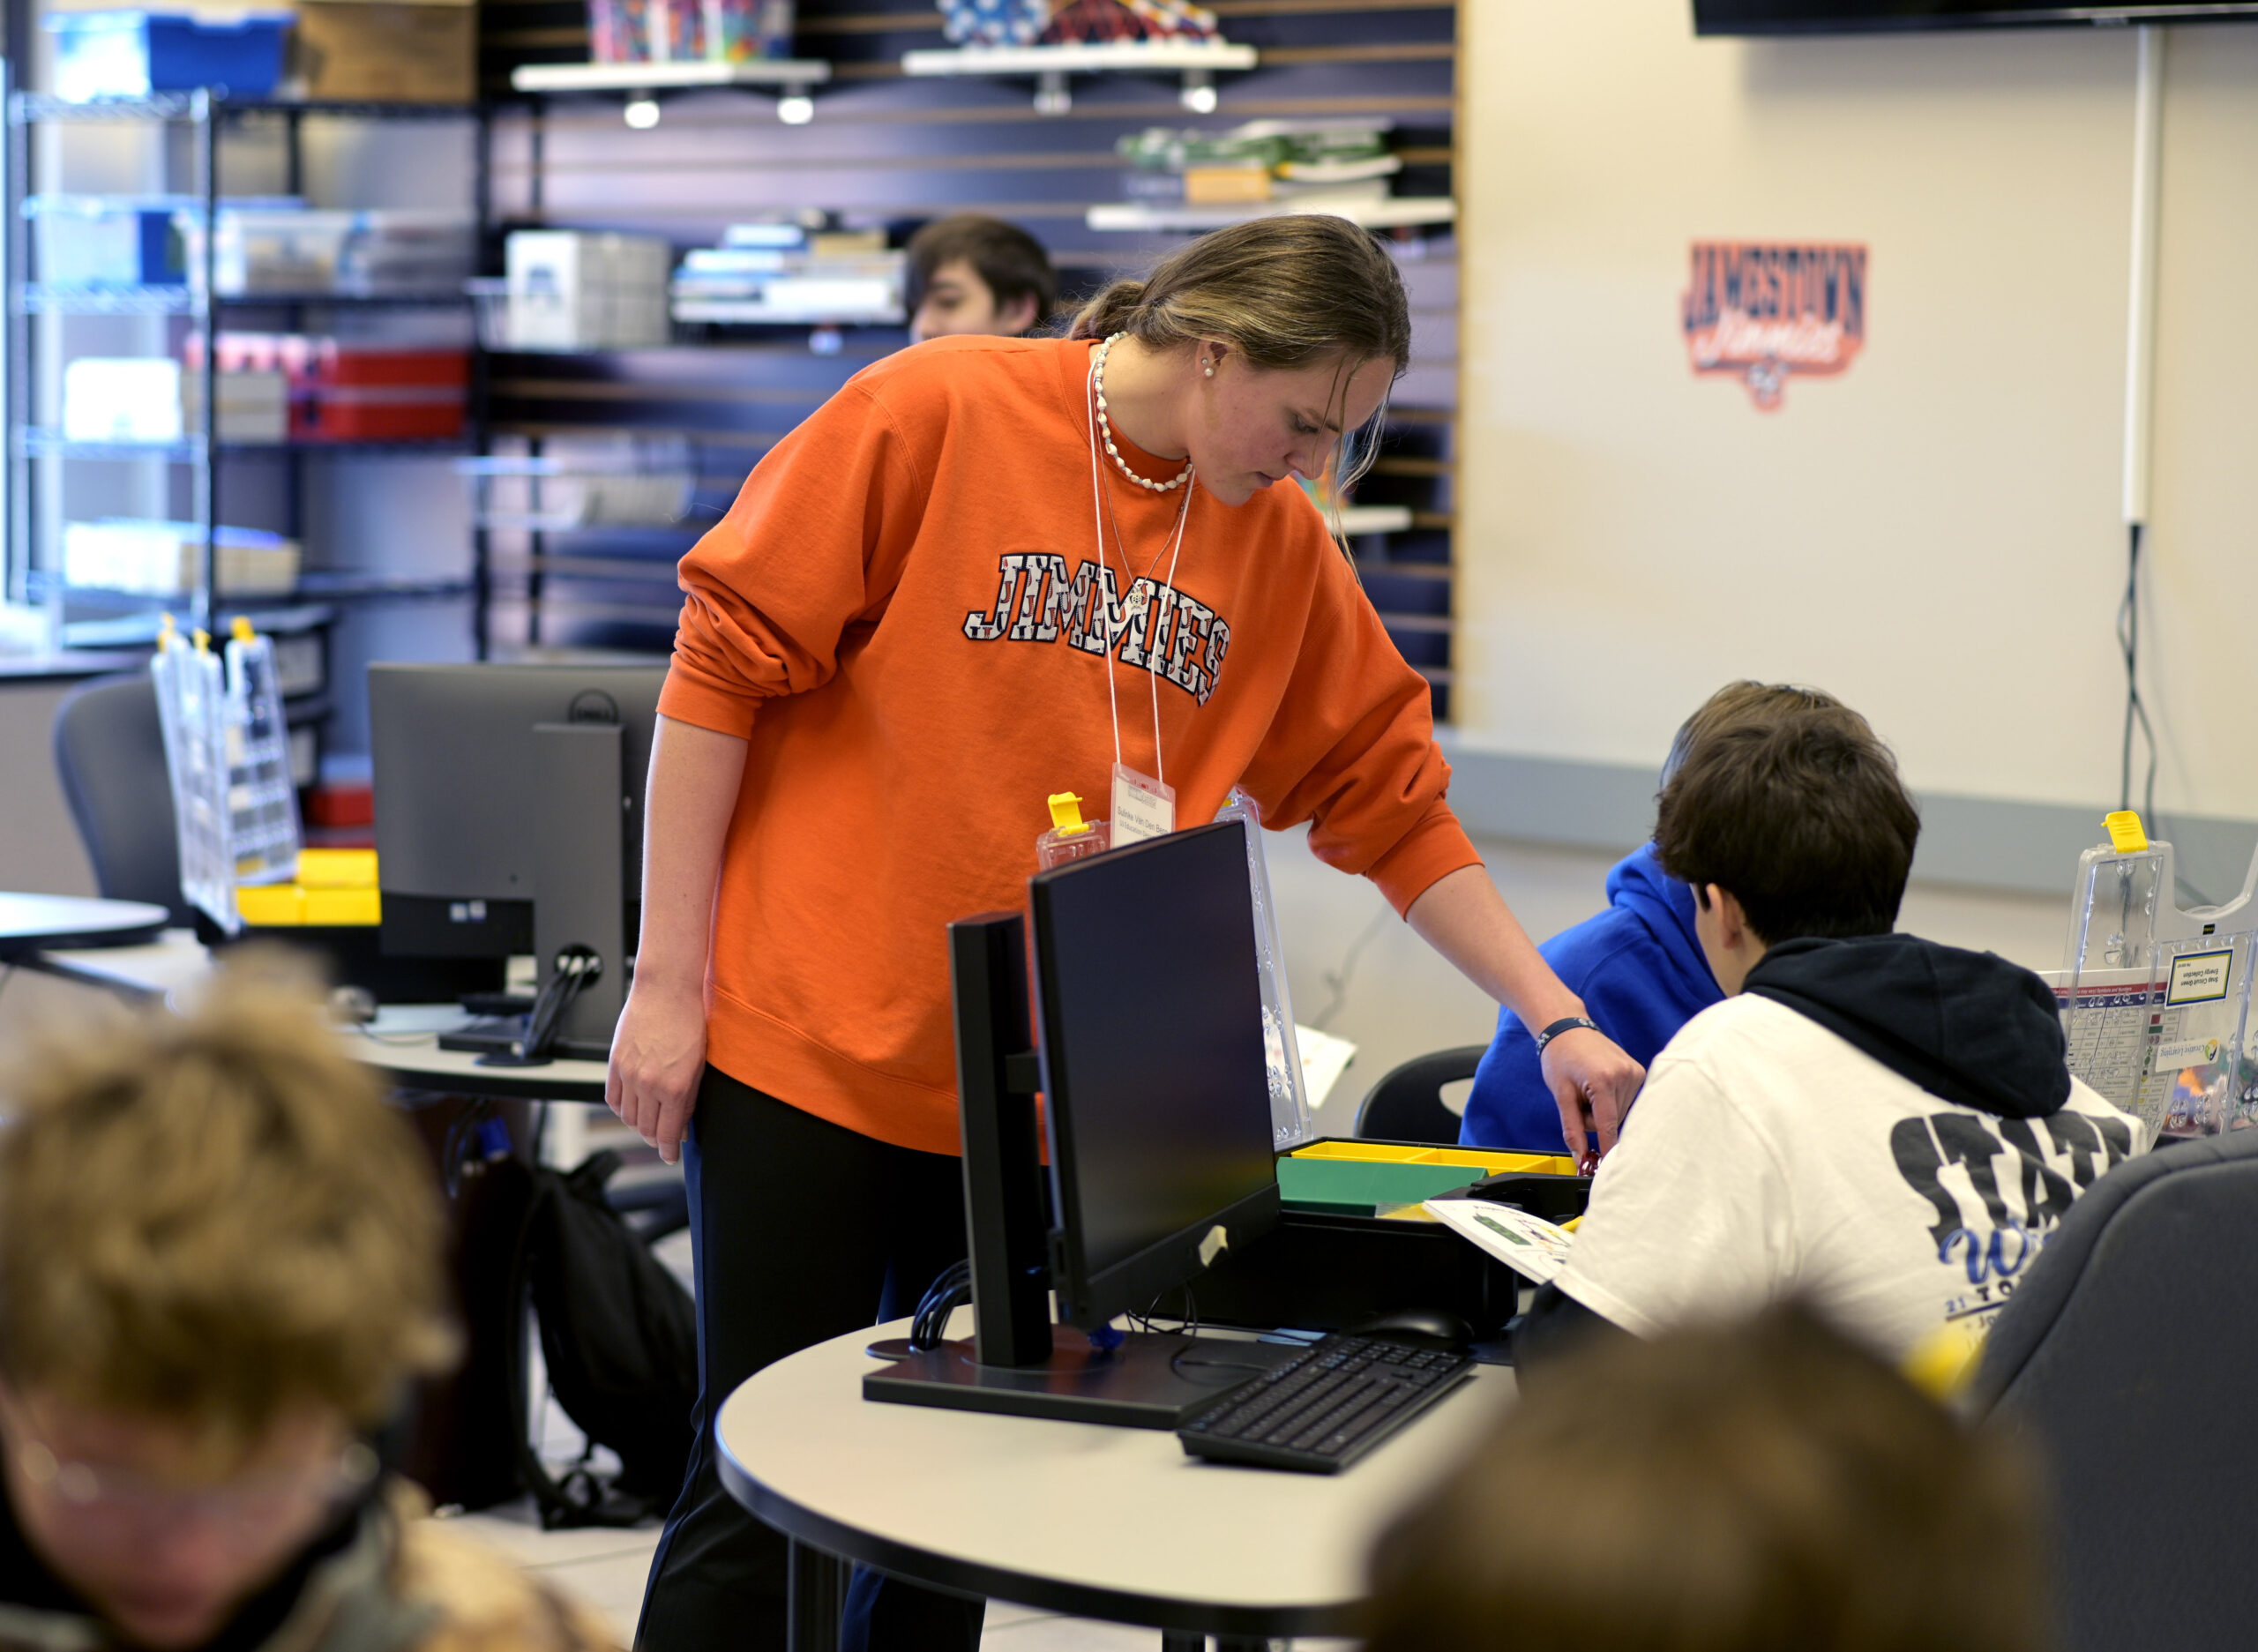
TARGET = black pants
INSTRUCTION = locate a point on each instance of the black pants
(801, 1230)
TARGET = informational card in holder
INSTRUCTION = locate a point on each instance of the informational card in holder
(1142, 807)
(1531, 1246)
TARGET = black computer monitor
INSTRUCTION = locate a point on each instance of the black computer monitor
(483, 774)
(1157, 1093)
(1157, 1105)
(457, 792)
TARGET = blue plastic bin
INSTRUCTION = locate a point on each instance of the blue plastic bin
(132, 54)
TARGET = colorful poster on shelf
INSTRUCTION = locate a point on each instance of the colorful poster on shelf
(1766, 311)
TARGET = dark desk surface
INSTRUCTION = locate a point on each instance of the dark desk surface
(403, 1042)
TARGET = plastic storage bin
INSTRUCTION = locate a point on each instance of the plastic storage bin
(132, 54)
(1331, 1263)
(94, 245)
(744, 31)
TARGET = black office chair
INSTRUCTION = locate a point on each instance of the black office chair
(1407, 1105)
(2125, 1358)
(109, 751)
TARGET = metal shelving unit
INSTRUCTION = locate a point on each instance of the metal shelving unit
(37, 455)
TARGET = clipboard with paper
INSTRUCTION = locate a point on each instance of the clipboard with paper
(2155, 996)
(1535, 1249)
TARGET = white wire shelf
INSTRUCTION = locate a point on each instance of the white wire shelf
(1197, 61)
(1394, 212)
(1375, 519)
(667, 77)
(1162, 57)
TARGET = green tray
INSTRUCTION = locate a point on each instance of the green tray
(1361, 1185)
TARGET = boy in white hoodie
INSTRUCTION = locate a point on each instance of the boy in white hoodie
(1878, 1125)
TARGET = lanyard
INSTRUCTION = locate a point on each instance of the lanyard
(1113, 630)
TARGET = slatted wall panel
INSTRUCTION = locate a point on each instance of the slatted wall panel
(887, 149)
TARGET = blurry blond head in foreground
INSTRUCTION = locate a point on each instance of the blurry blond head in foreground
(220, 1264)
(1763, 1487)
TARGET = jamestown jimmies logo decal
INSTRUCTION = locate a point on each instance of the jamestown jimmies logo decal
(1763, 311)
(1998, 1187)
(1037, 601)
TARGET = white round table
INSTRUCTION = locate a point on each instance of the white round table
(30, 925)
(1114, 1524)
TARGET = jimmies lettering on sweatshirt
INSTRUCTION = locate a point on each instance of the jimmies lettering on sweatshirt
(1156, 627)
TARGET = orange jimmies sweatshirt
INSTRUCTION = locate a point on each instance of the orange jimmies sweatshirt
(899, 614)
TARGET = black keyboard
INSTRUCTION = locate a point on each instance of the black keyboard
(1321, 1410)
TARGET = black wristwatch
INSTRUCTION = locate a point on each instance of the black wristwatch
(1566, 1024)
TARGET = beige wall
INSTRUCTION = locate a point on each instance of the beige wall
(1935, 535)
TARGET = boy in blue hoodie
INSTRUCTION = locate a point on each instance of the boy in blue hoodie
(1637, 966)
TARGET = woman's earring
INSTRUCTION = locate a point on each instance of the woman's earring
(1211, 369)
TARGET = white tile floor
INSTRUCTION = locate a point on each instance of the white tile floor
(1356, 970)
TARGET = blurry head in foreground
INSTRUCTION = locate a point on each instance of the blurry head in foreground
(220, 1263)
(1763, 1487)
(971, 273)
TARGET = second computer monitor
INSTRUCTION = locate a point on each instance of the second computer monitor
(459, 793)
(1158, 1094)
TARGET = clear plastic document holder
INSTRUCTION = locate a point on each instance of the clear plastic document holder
(191, 705)
(1289, 1120)
(263, 831)
(2155, 997)
(235, 811)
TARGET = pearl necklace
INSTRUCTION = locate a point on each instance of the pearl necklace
(1105, 428)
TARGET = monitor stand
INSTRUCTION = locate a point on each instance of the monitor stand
(1017, 1361)
(1152, 1380)
(580, 892)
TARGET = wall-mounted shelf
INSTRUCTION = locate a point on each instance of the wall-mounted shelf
(1197, 61)
(1394, 212)
(1375, 519)
(550, 79)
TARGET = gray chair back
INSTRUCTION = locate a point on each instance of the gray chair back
(2128, 1358)
(1407, 1104)
(109, 752)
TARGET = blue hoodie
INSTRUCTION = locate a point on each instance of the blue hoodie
(1639, 969)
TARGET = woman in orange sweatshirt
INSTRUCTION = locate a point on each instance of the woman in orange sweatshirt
(987, 571)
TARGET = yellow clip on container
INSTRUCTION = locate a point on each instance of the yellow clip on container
(2126, 836)
(1071, 838)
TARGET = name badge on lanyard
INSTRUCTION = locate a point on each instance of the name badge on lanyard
(1143, 806)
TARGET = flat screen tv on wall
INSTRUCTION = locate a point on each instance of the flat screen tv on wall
(1856, 17)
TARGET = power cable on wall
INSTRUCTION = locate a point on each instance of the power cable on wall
(1337, 981)
(2136, 711)
(2136, 716)
(2139, 385)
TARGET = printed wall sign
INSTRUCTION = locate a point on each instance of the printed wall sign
(1766, 311)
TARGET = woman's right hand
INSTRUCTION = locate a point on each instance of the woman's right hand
(658, 1054)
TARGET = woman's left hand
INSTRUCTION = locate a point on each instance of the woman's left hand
(1594, 1083)
(1462, 916)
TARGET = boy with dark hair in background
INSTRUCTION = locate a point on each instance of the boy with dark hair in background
(972, 273)
(220, 1267)
(1761, 1487)
(1637, 966)
(1881, 1125)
